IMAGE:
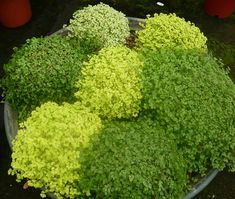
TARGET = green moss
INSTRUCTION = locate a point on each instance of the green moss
(47, 148)
(111, 84)
(170, 31)
(43, 69)
(99, 26)
(133, 160)
(191, 94)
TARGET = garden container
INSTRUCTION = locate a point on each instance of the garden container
(11, 126)
(15, 13)
(219, 8)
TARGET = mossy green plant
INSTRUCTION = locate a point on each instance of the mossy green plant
(191, 94)
(110, 84)
(169, 31)
(99, 26)
(43, 69)
(46, 150)
(134, 160)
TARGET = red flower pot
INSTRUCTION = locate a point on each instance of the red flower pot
(219, 8)
(14, 13)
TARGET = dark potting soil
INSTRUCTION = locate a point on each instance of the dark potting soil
(49, 16)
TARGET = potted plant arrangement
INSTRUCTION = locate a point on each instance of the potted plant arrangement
(101, 118)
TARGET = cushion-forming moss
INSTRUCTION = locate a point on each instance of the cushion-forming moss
(47, 148)
(99, 26)
(169, 31)
(110, 84)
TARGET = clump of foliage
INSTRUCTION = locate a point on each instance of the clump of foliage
(46, 150)
(99, 26)
(191, 94)
(111, 84)
(41, 70)
(169, 31)
(133, 159)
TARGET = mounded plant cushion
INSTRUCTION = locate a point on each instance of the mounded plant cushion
(169, 31)
(133, 160)
(43, 69)
(100, 26)
(191, 95)
(47, 148)
(111, 84)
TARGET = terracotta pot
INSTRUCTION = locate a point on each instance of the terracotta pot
(219, 8)
(15, 13)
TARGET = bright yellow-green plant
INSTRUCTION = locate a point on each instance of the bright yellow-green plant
(134, 160)
(191, 95)
(110, 84)
(46, 150)
(169, 31)
(99, 26)
(43, 69)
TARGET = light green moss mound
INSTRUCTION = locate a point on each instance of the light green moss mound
(191, 94)
(133, 160)
(111, 84)
(47, 148)
(170, 31)
(100, 26)
(43, 69)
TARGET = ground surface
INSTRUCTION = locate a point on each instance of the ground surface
(49, 16)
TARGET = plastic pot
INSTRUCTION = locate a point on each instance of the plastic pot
(15, 13)
(219, 8)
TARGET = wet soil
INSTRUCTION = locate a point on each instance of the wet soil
(49, 16)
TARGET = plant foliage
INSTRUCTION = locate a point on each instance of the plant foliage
(191, 94)
(111, 84)
(142, 122)
(133, 160)
(47, 148)
(100, 26)
(41, 70)
(169, 31)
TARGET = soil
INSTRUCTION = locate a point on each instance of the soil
(48, 17)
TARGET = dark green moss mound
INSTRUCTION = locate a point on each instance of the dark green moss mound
(43, 69)
(133, 160)
(191, 95)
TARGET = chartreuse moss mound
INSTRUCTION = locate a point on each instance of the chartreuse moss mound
(133, 159)
(99, 26)
(111, 84)
(191, 95)
(43, 69)
(170, 31)
(47, 148)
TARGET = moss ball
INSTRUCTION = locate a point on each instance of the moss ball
(170, 31)
(100, 26)
(191, 94)
(111, 84)
(43, 69)
(47, 148)
(133, 160)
